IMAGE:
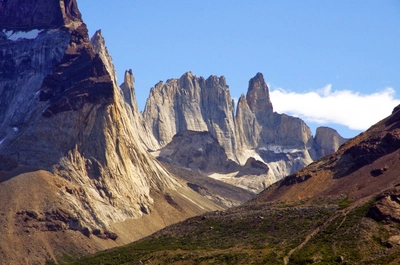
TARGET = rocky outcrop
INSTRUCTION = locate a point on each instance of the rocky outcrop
(70, 104)
(127, 91)
(363, 167)
(200, 152)
(192, 103)
(285, 143)
(142, 131)
(387, 206)
(26, 15)
(327, 141)
(100, 49)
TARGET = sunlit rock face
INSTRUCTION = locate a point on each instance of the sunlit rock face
(192, 103)
(282, 141)
(327, 141)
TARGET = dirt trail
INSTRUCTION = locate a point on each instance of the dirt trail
(313, 233)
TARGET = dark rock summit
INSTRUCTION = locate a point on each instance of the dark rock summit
(26, 15)
(258, 95)
(91, 82)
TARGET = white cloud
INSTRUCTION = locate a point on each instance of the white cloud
(352, 109)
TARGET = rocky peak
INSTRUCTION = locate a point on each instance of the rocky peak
(246, 125)
(214, 80)
(129, 79)
(127, 88)
(257, 96)
(91, 82)
(188, 81)
(100, 49)
(327, 140)
(26, 15)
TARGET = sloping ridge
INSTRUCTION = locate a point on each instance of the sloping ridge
(362, 167)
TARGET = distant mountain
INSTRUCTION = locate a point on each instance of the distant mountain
(341, 209)
(284, 143)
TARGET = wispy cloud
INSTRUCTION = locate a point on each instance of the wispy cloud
(352, 109)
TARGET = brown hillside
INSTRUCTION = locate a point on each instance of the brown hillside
(364, 166)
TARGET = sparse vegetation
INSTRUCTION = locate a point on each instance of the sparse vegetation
(263, 235)
(345, 202)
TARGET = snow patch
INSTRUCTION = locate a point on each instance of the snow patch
(277, 149)
(246, 154)
(16, 35)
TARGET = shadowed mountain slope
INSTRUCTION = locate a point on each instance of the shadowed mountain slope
(363, 166)
(201, 152)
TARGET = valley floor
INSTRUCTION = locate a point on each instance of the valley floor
(317, 232)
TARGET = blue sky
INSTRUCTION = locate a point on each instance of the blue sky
(333, 63)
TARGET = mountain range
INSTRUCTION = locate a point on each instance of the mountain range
(82, 169)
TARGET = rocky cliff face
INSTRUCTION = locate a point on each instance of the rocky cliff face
(192, 103)
(200, 152)
(282, 141)
(67, 128)
(70, 103)
(99, 47)
(25, 15)
(285, 143)
(327, 141)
